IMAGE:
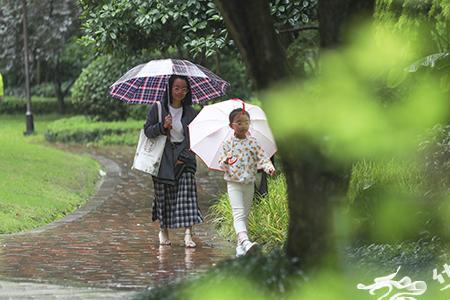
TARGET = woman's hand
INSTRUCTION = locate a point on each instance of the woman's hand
(168, 122)
(179, 162)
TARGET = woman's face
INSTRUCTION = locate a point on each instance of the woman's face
(179, 89)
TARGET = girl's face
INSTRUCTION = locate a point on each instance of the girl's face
(179, 90)
(240, 125)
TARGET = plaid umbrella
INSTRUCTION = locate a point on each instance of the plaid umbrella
(146, 83)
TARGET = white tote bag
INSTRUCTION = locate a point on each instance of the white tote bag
(149, 151)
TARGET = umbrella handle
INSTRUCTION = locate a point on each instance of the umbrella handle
(242, 101)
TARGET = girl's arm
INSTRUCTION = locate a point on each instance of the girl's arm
(263, 162)
(223, 158)
(152, 126)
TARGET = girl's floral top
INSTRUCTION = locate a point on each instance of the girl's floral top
(245, 157)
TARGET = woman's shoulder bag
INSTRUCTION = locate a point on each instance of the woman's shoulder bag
(150, 150)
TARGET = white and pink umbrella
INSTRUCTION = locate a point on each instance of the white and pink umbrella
(211, 127)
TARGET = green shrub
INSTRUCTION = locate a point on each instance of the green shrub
(129, 138)
(45, 89)
(232, 70)
(268, 219)
(40, 105)
(81, 129)
(90, 91)
(138, 111)
(303, 53)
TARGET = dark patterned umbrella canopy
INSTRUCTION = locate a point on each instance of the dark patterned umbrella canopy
(146, 83)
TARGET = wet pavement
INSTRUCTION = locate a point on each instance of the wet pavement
(111, 242)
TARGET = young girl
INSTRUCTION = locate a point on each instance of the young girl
(241, 157)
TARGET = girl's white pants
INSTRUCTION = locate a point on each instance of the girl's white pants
(241, 198)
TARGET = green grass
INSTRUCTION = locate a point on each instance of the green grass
(268, 219)
(39, 184)
(400, 174)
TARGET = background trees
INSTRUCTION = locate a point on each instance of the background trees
(54, 56)
(193, 27)
(428, 20)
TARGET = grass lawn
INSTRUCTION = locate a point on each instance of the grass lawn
(38, 184)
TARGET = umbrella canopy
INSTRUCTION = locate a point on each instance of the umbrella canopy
(146, 83)
(211, 127)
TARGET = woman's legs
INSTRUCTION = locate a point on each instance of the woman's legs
(176, 206)
(164, 236)
(162, 208)
(188, 242)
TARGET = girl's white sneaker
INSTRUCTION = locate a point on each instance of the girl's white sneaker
(240, 251)
(249, 247)
(246, 248)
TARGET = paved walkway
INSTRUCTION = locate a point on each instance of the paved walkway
(111, 242)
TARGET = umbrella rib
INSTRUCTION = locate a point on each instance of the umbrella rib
(209, 134)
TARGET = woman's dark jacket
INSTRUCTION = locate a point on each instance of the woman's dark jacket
(168, 172)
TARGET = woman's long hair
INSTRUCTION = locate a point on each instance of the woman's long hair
(168, 94)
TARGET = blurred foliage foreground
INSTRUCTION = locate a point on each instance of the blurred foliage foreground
(365, 106)
(367, 110)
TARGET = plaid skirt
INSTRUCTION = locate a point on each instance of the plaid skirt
(176, 205)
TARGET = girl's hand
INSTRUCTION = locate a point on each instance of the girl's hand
(229, 156)
(179, 162)
(168, 122)
(272, 172)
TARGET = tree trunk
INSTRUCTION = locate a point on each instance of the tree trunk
(314, 180)
(251, 27)
(59, 96)
(58, 87)
(314, 183)
(335, 15)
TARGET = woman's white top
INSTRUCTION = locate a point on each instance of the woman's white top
(176, 133)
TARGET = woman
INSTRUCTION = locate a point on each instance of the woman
(175, 204)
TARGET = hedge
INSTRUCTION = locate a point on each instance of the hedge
(40, 105)
(81, 129)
